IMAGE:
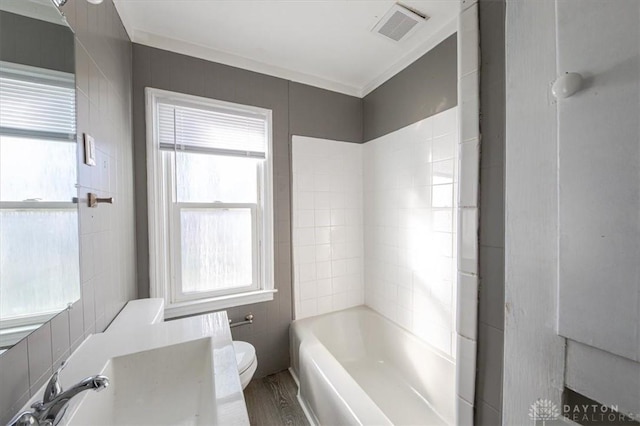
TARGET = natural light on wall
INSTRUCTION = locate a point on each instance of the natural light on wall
(410, 184)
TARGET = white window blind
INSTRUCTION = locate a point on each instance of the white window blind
(37, 103)
(212, 130)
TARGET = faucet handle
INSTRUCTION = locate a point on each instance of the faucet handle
(53, 388)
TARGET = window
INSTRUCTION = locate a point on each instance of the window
(38, 218)
(210, 203)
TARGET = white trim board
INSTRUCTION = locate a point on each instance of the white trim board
(198, 51)
(534, 355)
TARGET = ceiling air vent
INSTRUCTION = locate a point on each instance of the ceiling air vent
(399, 23)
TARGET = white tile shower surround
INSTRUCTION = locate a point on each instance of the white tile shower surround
(464, 217)
(410, 199)
(403, 244)
(327, 226)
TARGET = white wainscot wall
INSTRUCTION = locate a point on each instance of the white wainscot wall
(328, 251)
(410, 200)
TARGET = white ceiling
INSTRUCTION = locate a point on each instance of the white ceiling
(325, 43)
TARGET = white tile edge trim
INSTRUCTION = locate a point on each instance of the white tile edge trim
(467, 306)
(468, 119)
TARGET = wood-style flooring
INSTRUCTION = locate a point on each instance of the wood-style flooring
(271, 401)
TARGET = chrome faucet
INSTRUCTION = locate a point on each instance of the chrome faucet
(55, 401)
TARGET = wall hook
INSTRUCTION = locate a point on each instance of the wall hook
(566, 85)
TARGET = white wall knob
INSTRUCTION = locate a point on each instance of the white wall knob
(566, 85)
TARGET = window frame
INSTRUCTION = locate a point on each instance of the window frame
(163, 209)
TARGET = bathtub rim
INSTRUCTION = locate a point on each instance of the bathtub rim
(295, 325)
(302, 330)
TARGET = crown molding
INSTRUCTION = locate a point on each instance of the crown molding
(206, 53)
(226, 58)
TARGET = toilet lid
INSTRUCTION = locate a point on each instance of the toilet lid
(245, 355)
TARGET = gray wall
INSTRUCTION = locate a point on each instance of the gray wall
(41, 44)
(297, 109)
(323, 114)
(107, 246)
(426, 87)
(492, 166)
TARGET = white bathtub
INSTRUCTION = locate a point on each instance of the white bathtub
(356, 367)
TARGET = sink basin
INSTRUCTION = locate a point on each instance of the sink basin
(180, 372)
(171, 385)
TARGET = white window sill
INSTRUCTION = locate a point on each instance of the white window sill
(194, 307)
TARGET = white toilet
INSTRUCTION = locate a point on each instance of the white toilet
(247, 361)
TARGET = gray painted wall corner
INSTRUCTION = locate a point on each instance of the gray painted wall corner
(320, 113)
(426, 87)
